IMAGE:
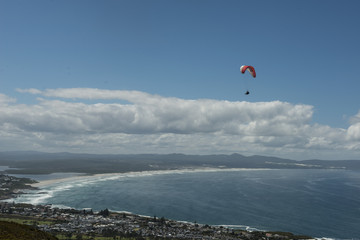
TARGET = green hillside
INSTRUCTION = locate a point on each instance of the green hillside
(15, 231)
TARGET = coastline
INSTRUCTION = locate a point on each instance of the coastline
(87, 176)
(79, 180)
(86, 223)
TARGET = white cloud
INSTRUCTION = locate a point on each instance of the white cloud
(30, 90)
(91, 93)
(4, 100)
(64, 120)
(353, 132)
(154, 114)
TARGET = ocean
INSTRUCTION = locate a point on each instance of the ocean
(318, 203)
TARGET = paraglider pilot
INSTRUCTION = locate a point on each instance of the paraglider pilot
(252, 72)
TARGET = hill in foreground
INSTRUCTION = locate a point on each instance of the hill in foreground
(16, 231)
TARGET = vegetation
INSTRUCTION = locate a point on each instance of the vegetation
(25, 220)
(16, 231)
(21, 225)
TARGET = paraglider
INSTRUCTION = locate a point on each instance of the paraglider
(252, 72)
(250, 69)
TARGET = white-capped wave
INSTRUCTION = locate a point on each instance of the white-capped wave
(80, 181)
(49, 188)
(116, 176)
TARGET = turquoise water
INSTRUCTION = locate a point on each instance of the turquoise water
(319, 203)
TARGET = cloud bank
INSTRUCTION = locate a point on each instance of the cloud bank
(115, 121)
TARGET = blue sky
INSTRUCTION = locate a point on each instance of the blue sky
(306, 54)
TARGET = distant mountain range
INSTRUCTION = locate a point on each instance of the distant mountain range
(44, 163)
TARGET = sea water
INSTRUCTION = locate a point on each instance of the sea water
(318, 203)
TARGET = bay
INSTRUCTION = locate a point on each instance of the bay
(318, 203)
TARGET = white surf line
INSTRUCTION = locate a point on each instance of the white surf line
(108, 176)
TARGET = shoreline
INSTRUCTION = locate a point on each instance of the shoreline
(113, 176)
(121, 224)
(43, 183)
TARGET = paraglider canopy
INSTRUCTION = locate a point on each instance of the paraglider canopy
(250, 69)
(252, 72)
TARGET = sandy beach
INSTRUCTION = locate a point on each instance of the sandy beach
(102, 176)
(43, 183)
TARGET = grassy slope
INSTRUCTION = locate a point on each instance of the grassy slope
(16, 231)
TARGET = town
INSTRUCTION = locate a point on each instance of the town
(11, 186)
(86, 222)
